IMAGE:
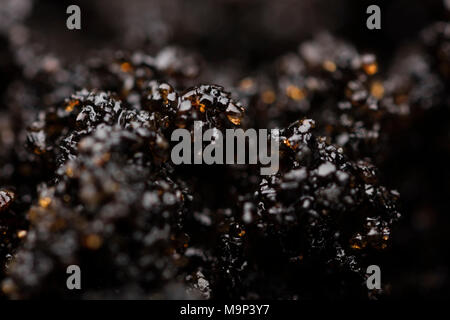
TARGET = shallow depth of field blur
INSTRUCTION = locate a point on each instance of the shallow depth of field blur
(235, 39)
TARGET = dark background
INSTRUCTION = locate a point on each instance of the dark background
(254, 32)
